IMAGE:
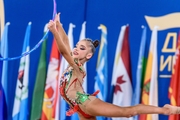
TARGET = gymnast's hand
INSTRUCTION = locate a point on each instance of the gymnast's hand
(57, 20)
(52, 26)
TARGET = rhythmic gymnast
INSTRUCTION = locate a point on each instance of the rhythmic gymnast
(88, 106)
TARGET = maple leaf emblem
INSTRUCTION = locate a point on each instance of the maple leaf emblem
(118, 83)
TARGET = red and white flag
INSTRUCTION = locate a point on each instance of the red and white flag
(121, 79)
(51, 88)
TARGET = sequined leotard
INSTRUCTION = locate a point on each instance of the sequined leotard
(66, 83)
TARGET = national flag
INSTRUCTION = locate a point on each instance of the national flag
(51, 87)
(174, 93)
(38, 94)
(20, 109)
(101, 78)
(4, 53)
(140, 71)
(3, 106)
(64, 65)
(122, 72)
(116, 59)
(4, 74)
(2, 17)
(150, 92)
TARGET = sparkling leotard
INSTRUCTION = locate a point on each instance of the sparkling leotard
(80, 98)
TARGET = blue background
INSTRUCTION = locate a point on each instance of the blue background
(112, 13)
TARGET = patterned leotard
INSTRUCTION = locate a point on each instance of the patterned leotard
(81, 97)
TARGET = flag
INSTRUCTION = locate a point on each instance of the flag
(4, 74)
(20, 109)
(64, 65)
(4, 53)
(3, 106)
(2, 17)
(140, 71)
(121, 78)
(38, 93)
(116, 59)
(101, 78)
(150, 92)
(51, 87)
(82, 36)
(174, 93)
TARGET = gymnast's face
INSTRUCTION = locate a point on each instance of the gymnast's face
(82, 50)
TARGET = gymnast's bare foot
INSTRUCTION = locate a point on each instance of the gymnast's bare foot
(171, 109)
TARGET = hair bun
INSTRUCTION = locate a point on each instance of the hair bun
(96, 43)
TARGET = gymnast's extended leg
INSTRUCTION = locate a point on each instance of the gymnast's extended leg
(96, 107)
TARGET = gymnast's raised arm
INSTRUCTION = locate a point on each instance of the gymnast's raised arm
(62, 42)
(61, 32)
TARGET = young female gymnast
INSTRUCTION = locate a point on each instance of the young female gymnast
(88, 106)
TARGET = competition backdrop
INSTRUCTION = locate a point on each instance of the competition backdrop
(113, 14)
